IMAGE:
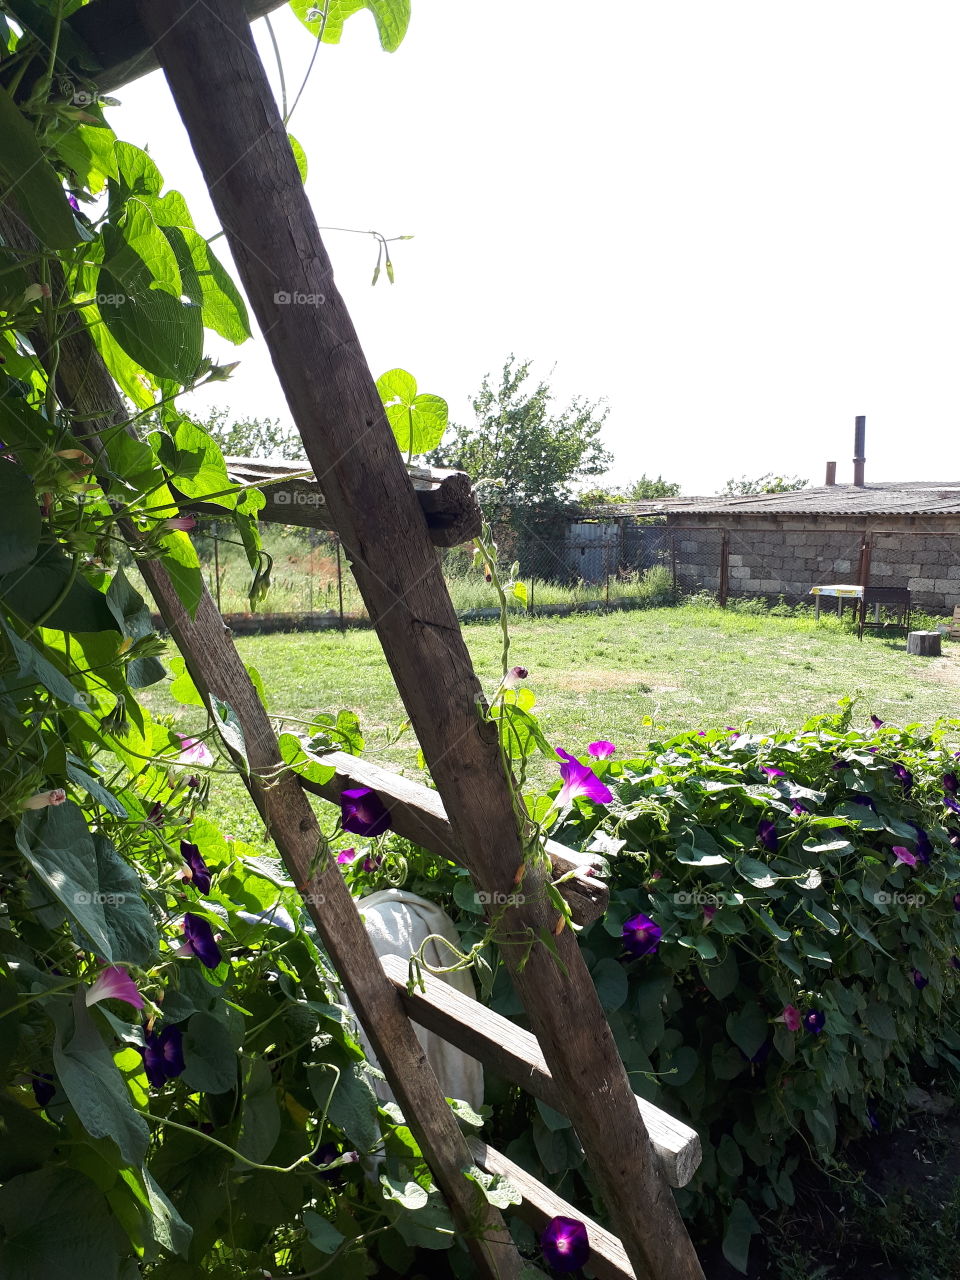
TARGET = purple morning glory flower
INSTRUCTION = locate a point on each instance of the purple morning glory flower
(370, 864)
(950, 783)
(200, 940)
(956, 902)
(565, 1245)
(814, 1021)
(919, 981)
(163, 1055)
(952, 803)
(904, 777)
(876, 721)
(924, 847)
(363, 812)
(326, 1154)
(601, 750)
(903, 854)
(861, 797)
(73, 202)
(44, 1086)
(874, 1122)
(771, 772)
(641, 935)
(799, 807)
(840, 763)
(579, 780)
(955, 962)
(767, 836)
(199, 871)
(156, 814)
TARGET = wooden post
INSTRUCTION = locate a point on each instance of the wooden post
(224, 99)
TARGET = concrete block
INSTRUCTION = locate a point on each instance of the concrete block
(689, 546)
(920, 584)
(948, 586)
(732, 560)
(842, 566)
(739, 571)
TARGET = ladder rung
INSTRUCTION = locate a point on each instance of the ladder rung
(608, 1261)
(515, 1053)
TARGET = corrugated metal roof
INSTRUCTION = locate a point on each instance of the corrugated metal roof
(900, 498)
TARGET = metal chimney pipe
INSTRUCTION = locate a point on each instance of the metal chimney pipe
(859, 444)
(831, 473)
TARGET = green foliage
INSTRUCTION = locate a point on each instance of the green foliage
(253, 437)
(768, 483)
(530, 454)
(645, 489)
(828, 921)
(418, 421)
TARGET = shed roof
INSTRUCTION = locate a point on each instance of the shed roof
(892, 498)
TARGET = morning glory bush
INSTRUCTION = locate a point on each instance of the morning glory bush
(781, 954)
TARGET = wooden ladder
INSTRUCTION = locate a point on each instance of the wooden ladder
(222, 93)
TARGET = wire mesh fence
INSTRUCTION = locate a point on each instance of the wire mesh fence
(568, 561)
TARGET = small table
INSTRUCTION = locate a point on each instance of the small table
(841, 590)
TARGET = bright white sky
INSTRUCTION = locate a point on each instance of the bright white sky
(738, 222)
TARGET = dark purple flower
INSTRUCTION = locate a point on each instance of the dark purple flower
(950, 783)
(952, 803)
(163, 1055)
(579, 780)
(956, 902)
(74, 203)
(767, 836)
(955, 962)
(641, 935)
(565, 1245)
(840, 763)
(193, 782)
(904, 777)
(924, 847)
(199, 871)
(919, 981)
(876, 721)
(799, 807)
(872, 1117)
(199, 940)
(156, 814)
(861, 797)
(363, 812)
(44, 1087)
(708, 913)
(370, 864)
(814, 1021)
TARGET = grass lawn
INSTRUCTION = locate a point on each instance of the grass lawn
(599, 676)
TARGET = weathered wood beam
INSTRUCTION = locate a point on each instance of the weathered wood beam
(86, 389)
(221, 90)
(417, 814)
(608, 1261)
(514, 1053)
(446, 498)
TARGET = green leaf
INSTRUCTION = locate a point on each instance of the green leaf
(418, 421)
(222, 307)
(89, 151)
(133, 617)
(126, 917)
(756, 873)
(729, 1156)
(768, 922)
(392, 18)
(261, 1119)
(19, 518)
(198, 469)
(693, 857)
(183, 689)
(230, 728)
(32, 181)
(740, 1226)
(409, 1194)
(209, 1054)
(748, 1028)
(519, 591)
(91, 1081)
(180, 561)
(829, 922)
(323, 1235)
(299, 155)
(56, 1222)
(721, 979)
(32, 663)
(353, 1105)
(880, 1021)
(430, 1227)
(165, 1226)
(611, 982)
(34, 589)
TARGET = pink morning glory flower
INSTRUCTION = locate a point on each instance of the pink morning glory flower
(346, 855)
(565, 1245)
(790, 1018)
(709, 913)
(515, 677)
(194, 751)
(877, 722)
(772, 772)
(114, 983)
(579, 780)
(601, 750)
(183, 523)
(903, 854)
(44, 798)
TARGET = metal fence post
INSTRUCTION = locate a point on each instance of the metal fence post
(339, 582)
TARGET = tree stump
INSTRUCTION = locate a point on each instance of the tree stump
(924, 643)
